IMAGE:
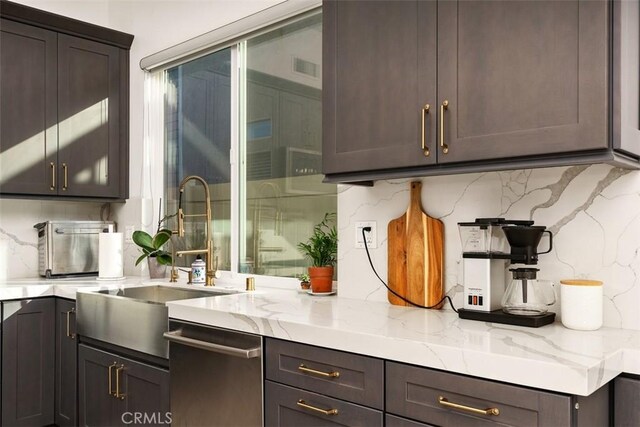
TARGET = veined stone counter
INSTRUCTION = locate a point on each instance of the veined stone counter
(551, 358)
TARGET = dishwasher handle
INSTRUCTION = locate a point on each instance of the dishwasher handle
(244, 353)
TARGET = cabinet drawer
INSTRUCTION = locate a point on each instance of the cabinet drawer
(415, 393)
(284, 408)
(393, 421)
(358, 379)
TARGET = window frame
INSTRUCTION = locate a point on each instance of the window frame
(154, 142)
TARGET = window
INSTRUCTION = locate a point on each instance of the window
(247, 119)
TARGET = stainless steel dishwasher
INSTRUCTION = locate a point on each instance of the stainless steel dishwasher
(216, 376)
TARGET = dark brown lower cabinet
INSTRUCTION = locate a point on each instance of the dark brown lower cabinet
(114, 390)
(393, 421)
(446, 399)
(293, 407)
(627, 401)
(28, 362)
(66, 396)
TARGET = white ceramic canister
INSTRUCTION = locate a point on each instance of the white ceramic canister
(581, 304)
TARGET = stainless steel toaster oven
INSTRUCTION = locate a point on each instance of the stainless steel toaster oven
(67, 248)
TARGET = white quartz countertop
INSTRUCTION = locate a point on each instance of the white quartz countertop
(551, 358)
(64, 288)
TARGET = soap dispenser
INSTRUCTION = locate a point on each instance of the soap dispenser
(198, 273)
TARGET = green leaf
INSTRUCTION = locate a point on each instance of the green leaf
(322, 246)
(161, 238)
(140, 258)
(143, 239)
(164, 258)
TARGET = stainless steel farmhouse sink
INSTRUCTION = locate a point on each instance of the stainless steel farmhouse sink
(134, 318)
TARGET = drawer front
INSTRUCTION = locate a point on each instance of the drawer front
(346, 376)
(393, 421)
(292, 407)
(415, 393)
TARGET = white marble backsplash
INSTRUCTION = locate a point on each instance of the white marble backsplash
(18, 238)
(593, 211)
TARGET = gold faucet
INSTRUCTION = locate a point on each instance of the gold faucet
(208, 251)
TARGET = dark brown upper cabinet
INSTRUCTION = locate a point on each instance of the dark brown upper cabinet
(28, 108)
(65, 106)
(508, 85)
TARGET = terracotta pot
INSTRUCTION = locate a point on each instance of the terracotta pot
(156, 270)
(321, 279)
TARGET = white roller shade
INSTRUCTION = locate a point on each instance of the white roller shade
(229, 34)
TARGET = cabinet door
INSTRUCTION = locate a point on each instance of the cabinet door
(28, 117)
(116, 391)
(96, 403)
(144, 390)
(66, 363)
(379, 71)
(88, 115)
(28, 362)
(627, 396)
(522, 78)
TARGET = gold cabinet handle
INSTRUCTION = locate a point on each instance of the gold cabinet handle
(304, 405)
(113, 365)
(69, 334)
(65, 171)
(489, 411)
(332, 374)
(119, 395)
(425, 148)
(53, 176)
(444, 107)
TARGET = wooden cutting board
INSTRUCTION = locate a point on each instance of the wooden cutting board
(415, 255)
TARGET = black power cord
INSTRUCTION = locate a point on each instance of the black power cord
(366, 248)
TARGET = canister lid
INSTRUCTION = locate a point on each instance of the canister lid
(581, 282)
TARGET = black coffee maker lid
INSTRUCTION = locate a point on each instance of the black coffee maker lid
(484, 222)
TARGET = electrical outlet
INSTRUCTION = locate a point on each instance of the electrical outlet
(128, 233)
(372, 236)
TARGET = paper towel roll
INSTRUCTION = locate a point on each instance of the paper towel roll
(110, 256)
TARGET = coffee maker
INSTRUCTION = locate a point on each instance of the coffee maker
(491, 249)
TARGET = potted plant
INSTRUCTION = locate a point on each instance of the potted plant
(158, 259)
(304, 281)
(322, 250)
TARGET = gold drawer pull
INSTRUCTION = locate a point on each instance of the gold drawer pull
(489, 411)
(304, 405)
(69, 334)
(53, 176)
(113, 365)
(332, 374)
(425, 149)
(65, 184)
(444, 107)
(119, 395)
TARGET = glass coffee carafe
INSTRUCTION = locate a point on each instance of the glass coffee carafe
(526, 295)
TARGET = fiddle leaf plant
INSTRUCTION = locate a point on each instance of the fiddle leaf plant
(322, 246)
(151, 246)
